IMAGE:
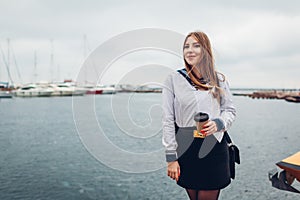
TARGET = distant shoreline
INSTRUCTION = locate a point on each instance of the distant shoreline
(291, 95)
(265, 89)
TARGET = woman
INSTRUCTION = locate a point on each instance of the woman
(203, 170)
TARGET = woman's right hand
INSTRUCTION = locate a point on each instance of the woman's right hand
(173, 170)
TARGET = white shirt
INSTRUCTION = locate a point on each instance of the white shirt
(181, 101)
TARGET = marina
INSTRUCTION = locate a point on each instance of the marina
(69, 88)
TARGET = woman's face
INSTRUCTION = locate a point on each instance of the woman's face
(192, 51)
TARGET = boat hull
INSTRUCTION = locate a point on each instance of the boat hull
(5, 95)
(33, 94)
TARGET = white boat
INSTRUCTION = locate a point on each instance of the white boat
(33, 90)
(91, 89)
(60, 90)
(4, 90)
(5, 94)
(108, 90)
(79, 91)
(100, 89)
(66, 89)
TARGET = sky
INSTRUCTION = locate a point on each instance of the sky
(256, 43)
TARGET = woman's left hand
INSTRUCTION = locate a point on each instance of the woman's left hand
(209, 128)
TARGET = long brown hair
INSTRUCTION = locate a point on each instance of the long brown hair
(209, 79)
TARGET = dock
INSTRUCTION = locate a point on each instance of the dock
(290, 96)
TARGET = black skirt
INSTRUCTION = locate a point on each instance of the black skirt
(205, 169)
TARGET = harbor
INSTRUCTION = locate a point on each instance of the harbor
(69, 88)
(290, 95)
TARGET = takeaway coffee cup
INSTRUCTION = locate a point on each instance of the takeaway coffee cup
(200, 118)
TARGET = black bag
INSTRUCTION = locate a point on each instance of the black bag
(234, 155)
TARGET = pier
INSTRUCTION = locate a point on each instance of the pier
(288, 95)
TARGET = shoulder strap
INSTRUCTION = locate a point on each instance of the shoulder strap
(184, 74)
(227, 137)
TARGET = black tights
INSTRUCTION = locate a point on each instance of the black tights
(203, 194)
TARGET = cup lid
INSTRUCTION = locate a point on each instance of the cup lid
(201, 117)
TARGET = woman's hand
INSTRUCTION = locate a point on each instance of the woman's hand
(209, 128)
(173, 170)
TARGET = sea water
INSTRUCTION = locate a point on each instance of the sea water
(44, 157)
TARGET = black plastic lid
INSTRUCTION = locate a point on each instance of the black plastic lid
(201, 117)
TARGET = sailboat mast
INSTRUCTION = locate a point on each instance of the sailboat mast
(8, 61)
(51, 61)
(35, 67)
(84, 55)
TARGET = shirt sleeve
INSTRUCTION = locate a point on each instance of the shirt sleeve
(168, 121)
(228, 111)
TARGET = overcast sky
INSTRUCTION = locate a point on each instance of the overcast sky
(256, 43)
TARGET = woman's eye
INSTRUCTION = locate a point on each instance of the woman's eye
(197, 45)
(186, 46)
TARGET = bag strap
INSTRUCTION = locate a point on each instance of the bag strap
(185, 75)
(227, 137)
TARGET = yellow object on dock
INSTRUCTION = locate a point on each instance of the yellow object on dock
(292, 165)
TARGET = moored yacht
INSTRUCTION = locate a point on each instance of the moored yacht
(66, 89)
(5, 94)
(33, 90)
(5, 91)
(100, 89)
(108, 90)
